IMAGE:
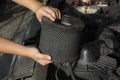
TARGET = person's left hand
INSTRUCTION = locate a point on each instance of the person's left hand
(47, 11)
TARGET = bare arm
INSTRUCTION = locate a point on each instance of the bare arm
(33, 5)
(7, 46)
(39, 9)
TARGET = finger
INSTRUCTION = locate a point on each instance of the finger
(56, 12)
(47, 14)
(43, 56)
(51, 11)
(44, 62)
(39, 17)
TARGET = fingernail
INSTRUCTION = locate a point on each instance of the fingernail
(49, 57)
(60, 17)
(53, 19)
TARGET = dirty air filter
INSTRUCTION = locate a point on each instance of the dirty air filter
(61, 39)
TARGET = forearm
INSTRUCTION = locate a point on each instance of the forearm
(7, 46)
(40, 10)
(33, 5)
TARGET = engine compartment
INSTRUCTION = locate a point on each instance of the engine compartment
(99, 57)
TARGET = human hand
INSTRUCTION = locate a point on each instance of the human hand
(42, 59)
(50, 12)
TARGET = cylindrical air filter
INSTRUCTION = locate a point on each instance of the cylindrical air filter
(61, 39)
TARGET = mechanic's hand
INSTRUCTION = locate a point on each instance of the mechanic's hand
(42, 59)
(50, 12)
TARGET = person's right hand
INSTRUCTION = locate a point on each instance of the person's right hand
(42, 59)
(47, 11)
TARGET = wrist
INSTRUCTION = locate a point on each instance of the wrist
(36, 6)
(33, 5)
(32, 52)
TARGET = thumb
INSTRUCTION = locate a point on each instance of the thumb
(42, 56)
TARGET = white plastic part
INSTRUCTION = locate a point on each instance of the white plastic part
(90, 9)
(87, 9)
